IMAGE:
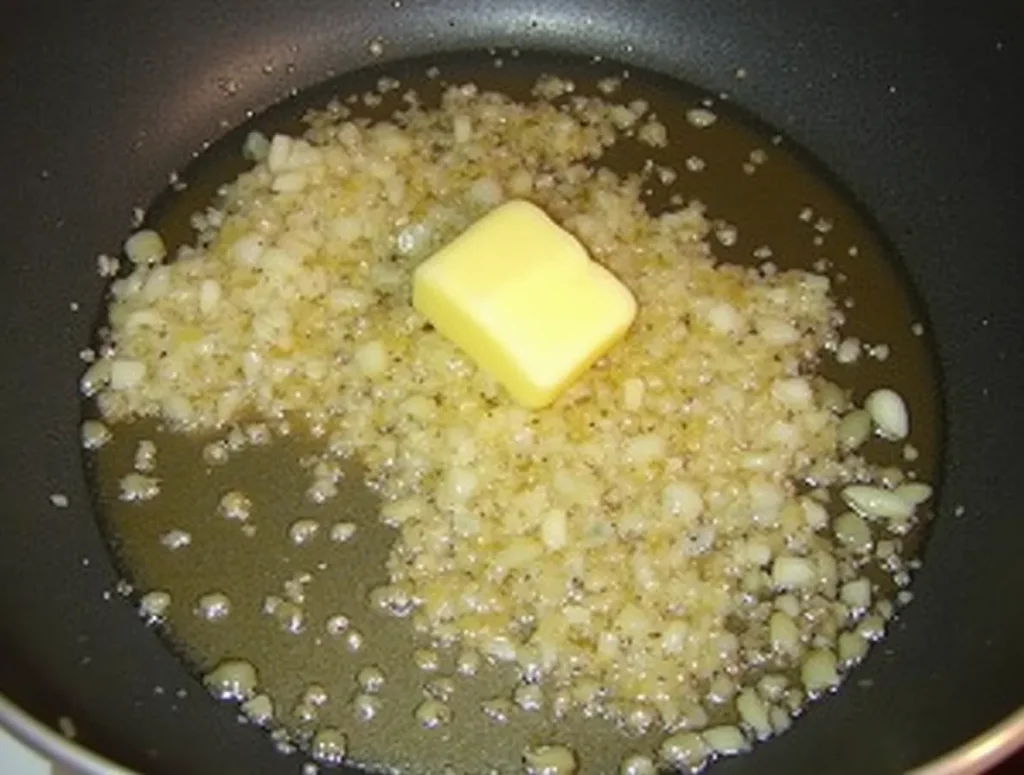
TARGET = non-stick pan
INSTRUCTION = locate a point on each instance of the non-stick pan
(914, 105)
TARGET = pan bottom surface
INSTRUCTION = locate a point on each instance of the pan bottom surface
(284, 586)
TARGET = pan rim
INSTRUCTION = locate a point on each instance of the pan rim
(977, 755)
(45, 740)
(980, 754)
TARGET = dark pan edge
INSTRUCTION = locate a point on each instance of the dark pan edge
(972, 758)
(983, 752)
(48, 742)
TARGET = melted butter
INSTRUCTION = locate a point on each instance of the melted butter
(298, 612)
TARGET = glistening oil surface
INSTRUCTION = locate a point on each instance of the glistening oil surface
(745, 175)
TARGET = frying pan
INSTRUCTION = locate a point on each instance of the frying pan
(913, 104)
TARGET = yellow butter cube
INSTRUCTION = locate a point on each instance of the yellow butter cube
(521, 297)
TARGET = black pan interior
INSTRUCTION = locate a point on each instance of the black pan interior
(912, 104)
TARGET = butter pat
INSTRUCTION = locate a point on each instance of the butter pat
(521, 297)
